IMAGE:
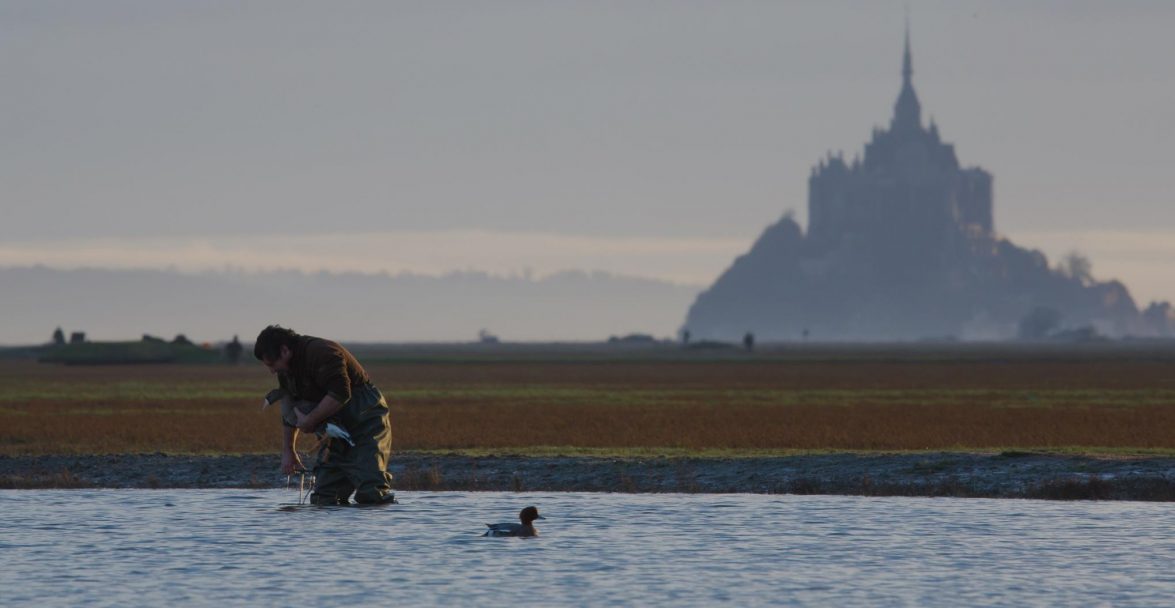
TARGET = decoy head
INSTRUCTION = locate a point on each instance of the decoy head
(529, 514)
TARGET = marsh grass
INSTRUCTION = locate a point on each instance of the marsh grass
(628, 408)
(62, 479)
(415, 478)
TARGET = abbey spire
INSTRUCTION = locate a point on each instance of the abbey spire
(907, 63)
(907, 112)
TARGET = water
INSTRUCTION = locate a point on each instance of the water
(211, 547)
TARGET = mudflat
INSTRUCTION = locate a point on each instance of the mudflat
(992, 475)
(968, 421)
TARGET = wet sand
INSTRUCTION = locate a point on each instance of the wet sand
(993, 475)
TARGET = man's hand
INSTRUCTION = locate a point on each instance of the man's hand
(291, 463)
(302, 426)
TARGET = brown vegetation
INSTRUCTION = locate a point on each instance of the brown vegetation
(690, 405)
(62, 479)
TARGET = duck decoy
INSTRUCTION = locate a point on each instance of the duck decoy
(526, 528)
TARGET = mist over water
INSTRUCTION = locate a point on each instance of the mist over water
(124, 304)
(211, 547)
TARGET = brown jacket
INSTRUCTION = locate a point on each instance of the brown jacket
(319, 368)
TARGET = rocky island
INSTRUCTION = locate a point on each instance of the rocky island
(901, 245)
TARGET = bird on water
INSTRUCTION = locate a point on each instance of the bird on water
(526, 528)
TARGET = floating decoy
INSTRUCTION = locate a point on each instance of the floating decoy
(526, 528)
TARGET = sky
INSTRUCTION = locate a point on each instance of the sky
(653, 138)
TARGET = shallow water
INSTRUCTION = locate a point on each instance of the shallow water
(209, 547)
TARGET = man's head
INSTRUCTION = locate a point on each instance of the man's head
(275, 347)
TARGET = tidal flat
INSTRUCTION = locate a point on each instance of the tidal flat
(963, 422)
(954, 474)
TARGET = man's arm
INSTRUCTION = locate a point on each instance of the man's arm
(329, 406)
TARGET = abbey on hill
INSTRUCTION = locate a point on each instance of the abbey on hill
(901, 244)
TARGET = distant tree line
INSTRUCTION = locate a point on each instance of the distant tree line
(232, 350)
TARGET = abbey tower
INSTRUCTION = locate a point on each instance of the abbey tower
(901, 244)
(908, 182)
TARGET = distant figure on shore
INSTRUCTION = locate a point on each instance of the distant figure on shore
(526, 528)
(233, 350)
(58, 337)
(685, 337)
(322, 383)
(749, 341)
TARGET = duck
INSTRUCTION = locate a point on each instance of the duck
(526, 528)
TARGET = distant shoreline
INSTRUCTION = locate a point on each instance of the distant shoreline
(978, 475)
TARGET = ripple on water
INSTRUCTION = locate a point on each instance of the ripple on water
(208, 547)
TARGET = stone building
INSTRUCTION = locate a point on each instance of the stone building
(908, 183)
(901, 244)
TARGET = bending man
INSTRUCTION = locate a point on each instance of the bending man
(321, 382)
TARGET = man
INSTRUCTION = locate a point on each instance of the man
(320, 383)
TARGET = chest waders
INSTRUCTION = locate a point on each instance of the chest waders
(342, 469)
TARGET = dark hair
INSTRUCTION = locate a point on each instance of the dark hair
(271, 340)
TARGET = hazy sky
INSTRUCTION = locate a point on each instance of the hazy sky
(662, 136)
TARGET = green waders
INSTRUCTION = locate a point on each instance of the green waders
(361, 468)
